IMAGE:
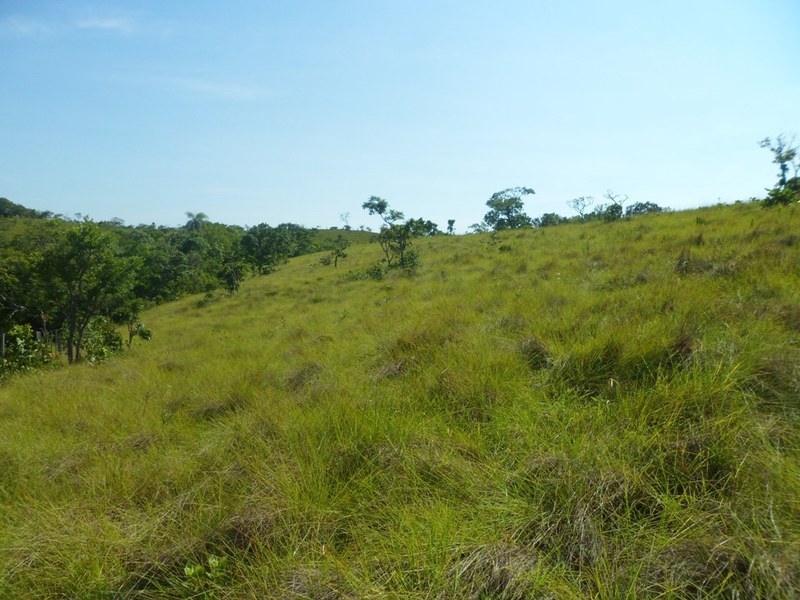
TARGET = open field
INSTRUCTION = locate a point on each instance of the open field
(602, 410)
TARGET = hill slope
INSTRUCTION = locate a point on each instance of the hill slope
(598, 410)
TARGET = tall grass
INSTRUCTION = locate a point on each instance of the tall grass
(597, 410)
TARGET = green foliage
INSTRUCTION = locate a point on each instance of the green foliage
(396, 234)
(642, 208)
(23, 352)
(196, 220)
(265, 247)
(507, 210)
(206, 580)
(549, 220)
(82, 275)
(783, 196)
(614, 210)
(786, 156)
(100, 341)
(14, 289)
(423, 228)
(10, 209)
(232, 276)
(339, 250)
(138, 329)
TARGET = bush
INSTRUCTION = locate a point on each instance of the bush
(23, 352)
(101, 340)
(783, 196)
(643, 208)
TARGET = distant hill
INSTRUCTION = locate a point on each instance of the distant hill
(10, 209)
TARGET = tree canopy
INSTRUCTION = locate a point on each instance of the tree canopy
(506, 209)
(82, 275)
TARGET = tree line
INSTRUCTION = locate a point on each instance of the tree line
(83, 277)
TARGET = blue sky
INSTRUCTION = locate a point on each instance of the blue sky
(277, 111)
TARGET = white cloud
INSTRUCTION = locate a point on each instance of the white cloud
(118, 24)
(19, 26)
(220, 89)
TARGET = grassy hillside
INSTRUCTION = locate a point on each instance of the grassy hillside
(597, 410)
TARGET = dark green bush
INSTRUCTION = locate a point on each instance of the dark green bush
(101, 340)
(23, 352)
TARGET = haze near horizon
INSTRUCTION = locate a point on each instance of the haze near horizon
(298, 112)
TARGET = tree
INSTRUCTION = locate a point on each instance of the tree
(82, 275)
(451, 226)
(613, 211)
(196, 220)
(232, 275)
(10, 209)
(395, 234)
(339, 250)
(129, 315)
(299, 239)
(266, 247)
(580, 204)
(14, 293)
(549, 219)
(423, 228)
(506, 209)
(786, 156)
(641, 208)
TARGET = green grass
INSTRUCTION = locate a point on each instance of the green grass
(596, 410)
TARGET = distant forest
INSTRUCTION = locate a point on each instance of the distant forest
(76, 274)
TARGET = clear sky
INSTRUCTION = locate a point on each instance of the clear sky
(299, 110)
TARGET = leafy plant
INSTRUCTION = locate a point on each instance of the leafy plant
(138, 329)
(23, 352)
(101, 340)
(206, 580)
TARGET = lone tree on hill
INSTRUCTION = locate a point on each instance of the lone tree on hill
(396, 233)
(507, 209)
(786, 156)
(615, 210)
(580, 204)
